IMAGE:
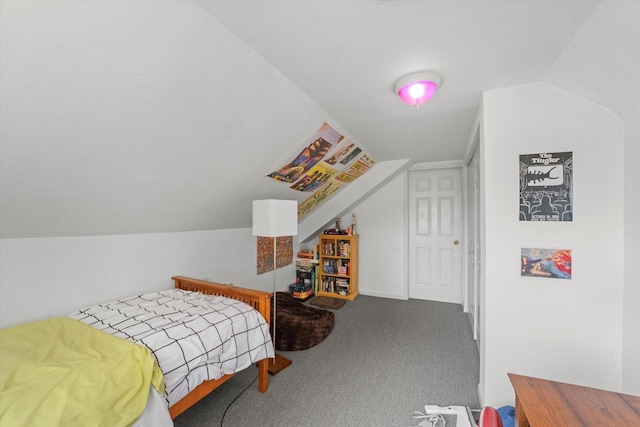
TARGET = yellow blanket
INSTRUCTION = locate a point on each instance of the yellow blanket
(62, 372)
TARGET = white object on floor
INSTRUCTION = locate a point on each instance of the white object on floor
(462, 413)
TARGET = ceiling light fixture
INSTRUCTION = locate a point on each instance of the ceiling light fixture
(417, 88)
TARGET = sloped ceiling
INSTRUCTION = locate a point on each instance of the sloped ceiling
(163, 116)
(602, 63)
(347, 55)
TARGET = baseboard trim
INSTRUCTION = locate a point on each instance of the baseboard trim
(383, 295)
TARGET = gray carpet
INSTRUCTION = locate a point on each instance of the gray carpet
(384, 360)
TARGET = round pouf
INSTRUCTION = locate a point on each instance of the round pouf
(298, 326)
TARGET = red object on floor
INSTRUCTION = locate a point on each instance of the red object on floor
(489, 417)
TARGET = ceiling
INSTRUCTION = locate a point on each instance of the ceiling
(144, 116)
(347, 55)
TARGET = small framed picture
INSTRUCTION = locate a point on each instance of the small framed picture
(545, 263)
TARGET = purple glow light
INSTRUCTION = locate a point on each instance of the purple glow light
(417, 93)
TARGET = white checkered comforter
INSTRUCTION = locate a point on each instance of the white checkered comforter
(194, 337)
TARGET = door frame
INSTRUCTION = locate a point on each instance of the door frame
(472, 296)
(473, 263)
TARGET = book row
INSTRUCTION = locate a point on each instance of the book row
(339, 248)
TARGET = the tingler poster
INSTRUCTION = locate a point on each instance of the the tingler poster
(546, 187)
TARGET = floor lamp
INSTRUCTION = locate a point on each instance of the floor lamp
(275, 218)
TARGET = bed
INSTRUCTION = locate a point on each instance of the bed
(165, 322)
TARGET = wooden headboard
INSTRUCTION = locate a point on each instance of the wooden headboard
(260, 300)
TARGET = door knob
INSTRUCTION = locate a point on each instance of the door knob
(455, 242)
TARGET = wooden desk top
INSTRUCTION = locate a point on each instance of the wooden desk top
(544, 403)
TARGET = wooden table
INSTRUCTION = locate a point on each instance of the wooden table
(544, 403)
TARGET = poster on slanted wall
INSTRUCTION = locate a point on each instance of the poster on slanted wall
(320, 144)
(360, 165)
(341, 152)
(545, 263)
(357, 168)
(546, 187)
(335, 161)
(318, 197)
(315, 178)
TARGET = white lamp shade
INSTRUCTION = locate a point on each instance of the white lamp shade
(275, 218)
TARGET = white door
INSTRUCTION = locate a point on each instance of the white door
(435, 229)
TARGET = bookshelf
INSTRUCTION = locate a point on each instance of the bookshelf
(338, 266)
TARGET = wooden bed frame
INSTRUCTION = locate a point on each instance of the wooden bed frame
(260, 300)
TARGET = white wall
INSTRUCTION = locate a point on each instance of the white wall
(44, 277)
(606, 51)
(132, 116)
(559, 329)
(381, 224)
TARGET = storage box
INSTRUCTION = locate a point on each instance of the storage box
(299, 287)
(301, 291)
(302, 295)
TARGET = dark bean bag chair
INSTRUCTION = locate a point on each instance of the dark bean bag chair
(298, 326)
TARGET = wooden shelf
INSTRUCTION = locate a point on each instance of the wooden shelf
(338, 251)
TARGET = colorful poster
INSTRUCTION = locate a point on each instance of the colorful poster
(546, 187)
(317, 176)
(317, 198)
(340, 152)
(360, 166)
(322, 141)
(352, 155)
(284, 253)
(545, 263)
(323, 167)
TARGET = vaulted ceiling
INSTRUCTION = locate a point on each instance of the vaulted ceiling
(139, 116)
